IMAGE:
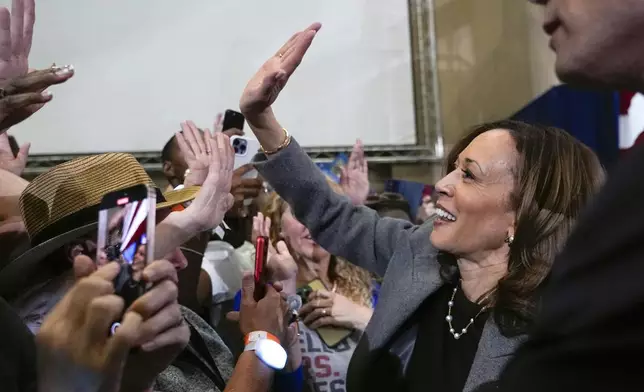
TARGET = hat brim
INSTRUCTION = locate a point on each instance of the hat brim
(14, 275)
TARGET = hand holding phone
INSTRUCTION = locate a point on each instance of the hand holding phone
(126, 223)
(261, 272)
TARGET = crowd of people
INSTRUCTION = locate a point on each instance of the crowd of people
(519, 273)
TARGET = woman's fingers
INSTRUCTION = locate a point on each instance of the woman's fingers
(38, 81)
(316, 314)
(177, 336)
(102, 312)
(183, 143)
(20, 101)
(156, 299)
(160, 270)
(294, 55)
(322, 322)
(191, 139)
(198, 136)
(167, 318)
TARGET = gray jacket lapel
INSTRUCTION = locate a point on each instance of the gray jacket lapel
(494, 351)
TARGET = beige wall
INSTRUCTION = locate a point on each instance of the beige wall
(493, 58)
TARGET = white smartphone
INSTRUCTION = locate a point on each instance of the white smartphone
(245, 150)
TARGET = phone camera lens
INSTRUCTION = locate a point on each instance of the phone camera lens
(236, 142)
(242, 149)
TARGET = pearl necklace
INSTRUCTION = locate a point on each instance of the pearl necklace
(448, 318)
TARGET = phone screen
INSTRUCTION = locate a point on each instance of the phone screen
(261, 254)
(125, 234)
(233, 119)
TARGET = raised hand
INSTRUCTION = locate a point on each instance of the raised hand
(14, 164)
(354, 179)
(16, 35)
(195, 147)
(264, 87)
(270, 314)
(214, 198)
(262, 228)
(22, 96)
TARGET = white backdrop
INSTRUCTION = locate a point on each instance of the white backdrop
(143, 66)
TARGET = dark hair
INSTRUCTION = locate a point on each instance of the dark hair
(168, 149)
(555, 175)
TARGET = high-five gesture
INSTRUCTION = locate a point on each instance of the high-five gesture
(214, 198)
(194, 144)
(264, 87)
(16, 34)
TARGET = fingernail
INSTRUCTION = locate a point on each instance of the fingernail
(147, 347)
(66, 70)
(47, 94)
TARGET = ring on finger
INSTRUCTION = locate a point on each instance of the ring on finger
(324, 312)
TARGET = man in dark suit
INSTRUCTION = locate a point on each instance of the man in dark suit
(590, 334)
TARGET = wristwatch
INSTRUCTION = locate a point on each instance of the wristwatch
(268, 349)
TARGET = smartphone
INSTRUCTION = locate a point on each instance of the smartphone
(331, 336)
(126, 223)
(246, 149)
(261, 255)
(233, 119)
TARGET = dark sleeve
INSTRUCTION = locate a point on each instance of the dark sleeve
(355, 233)
(17, 353)
(590, 333)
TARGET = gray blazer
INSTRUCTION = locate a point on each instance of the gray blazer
(394, 249)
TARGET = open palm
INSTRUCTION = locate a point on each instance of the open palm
(16, 34)
(264, 87)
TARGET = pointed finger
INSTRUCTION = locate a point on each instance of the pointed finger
(17, 26)
(5, 34)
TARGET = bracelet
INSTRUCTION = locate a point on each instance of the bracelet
(254, 336)
(285, 143)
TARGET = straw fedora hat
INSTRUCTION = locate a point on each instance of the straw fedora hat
(62, 205)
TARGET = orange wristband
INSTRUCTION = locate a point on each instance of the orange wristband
(257, 335)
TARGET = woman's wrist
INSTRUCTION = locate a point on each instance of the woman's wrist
(268, 131)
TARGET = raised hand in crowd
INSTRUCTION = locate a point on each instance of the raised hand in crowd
(210, 205)
(195, 146)
(8, 161)
(327, 308)
(75, 349)
(193, 143)
(162, 332)
(264, 87)
(354, 178)
(22, 96)
(281, 265)
(16, 36)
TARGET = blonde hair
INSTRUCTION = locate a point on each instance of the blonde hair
(353, 282)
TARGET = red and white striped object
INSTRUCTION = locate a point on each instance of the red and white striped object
(631, 119)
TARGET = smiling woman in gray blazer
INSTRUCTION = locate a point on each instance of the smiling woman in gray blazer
(458, 292)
